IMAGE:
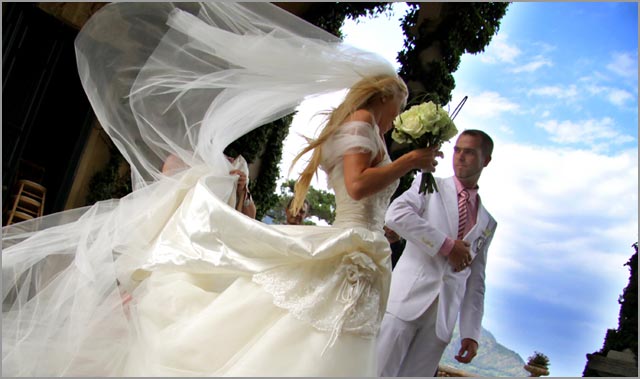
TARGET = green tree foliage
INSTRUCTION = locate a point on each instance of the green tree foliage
(461, 28)
(626, 335)
(331, 16)
(322, 204)
(538, 359)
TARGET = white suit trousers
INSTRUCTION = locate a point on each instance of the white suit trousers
(409, 348)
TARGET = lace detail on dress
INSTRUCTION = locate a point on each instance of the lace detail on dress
(340, 294)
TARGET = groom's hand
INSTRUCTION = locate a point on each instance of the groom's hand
(460, 258)
(468, 350)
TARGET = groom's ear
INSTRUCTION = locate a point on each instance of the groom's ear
(487, 160)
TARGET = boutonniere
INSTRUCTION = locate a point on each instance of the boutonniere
(479, 242)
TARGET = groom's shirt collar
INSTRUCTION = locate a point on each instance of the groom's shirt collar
(473, 192)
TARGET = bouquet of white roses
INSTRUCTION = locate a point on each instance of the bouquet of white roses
(424, 125)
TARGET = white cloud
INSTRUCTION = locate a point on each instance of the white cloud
(487, 104)
(616, 96)
(619, 97)
(560, 213)
(544, 47)
(590, 132)
(558, 92)
(506, 129)
(500, 50)
(624, 65)
(382, 34)
(595, 89)
(594, 77)
(537, 63)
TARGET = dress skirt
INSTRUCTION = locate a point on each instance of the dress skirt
(213, 293)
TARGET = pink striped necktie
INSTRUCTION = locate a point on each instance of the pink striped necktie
(462, 212)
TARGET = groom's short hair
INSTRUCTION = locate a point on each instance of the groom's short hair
(487, 142)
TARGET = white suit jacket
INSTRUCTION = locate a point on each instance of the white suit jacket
(421, 274)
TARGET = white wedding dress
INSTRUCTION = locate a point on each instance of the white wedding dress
(223, 294)
(170, 280)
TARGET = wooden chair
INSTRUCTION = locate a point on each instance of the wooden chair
(28, 202)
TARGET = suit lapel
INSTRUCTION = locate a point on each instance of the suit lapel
(482, 220)
(450, 200)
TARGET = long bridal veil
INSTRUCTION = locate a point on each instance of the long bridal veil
(183, 79)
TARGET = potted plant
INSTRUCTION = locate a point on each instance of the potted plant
(538, 364)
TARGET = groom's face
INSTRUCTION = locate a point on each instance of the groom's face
(468, 160)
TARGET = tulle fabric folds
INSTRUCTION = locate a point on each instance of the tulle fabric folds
(188, 79)
(353, 137)
(183, 79)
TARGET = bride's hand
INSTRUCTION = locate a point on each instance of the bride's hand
(242, 180)
(425, 159)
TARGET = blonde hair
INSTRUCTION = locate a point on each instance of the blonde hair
(360, 96)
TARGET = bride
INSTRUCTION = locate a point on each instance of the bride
(171, 280)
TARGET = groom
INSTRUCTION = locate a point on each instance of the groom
(442, 269)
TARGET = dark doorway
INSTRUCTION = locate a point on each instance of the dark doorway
(46, 116)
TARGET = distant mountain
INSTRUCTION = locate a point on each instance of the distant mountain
(493, 359)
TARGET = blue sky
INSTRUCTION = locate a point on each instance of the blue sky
(557, 89)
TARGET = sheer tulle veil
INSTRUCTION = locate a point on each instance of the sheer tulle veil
(163, 78)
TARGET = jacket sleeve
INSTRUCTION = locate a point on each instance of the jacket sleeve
(472, 307)
(404, 216)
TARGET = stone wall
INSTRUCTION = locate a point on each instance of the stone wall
(616, 363)
(73, 14)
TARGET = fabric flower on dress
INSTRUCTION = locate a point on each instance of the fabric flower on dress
(342, 294)
(359, 272)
